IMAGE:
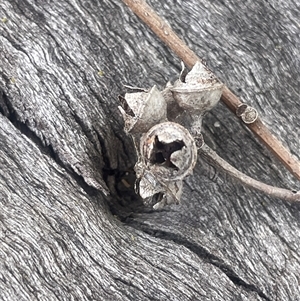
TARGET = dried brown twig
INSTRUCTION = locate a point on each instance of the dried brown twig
(169, 37)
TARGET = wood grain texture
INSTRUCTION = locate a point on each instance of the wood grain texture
(63, 148)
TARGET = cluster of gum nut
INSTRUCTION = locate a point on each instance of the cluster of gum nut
(166, 129)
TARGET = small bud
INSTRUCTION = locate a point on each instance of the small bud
(246, 113)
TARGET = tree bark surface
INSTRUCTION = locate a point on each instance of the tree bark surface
(71, 226)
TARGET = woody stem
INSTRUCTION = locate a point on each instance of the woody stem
(214, 159)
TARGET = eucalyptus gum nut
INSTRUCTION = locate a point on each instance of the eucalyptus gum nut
(148, 108)
(200, 90)
(172, 195)
(169, 151)
(199, 100)
(148, 185)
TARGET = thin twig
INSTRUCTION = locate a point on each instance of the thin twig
(170, 38)
(213, 158)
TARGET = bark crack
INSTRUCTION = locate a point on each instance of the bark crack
(202, 253)
(7, 110)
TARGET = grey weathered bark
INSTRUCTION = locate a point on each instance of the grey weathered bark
(63, 149)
